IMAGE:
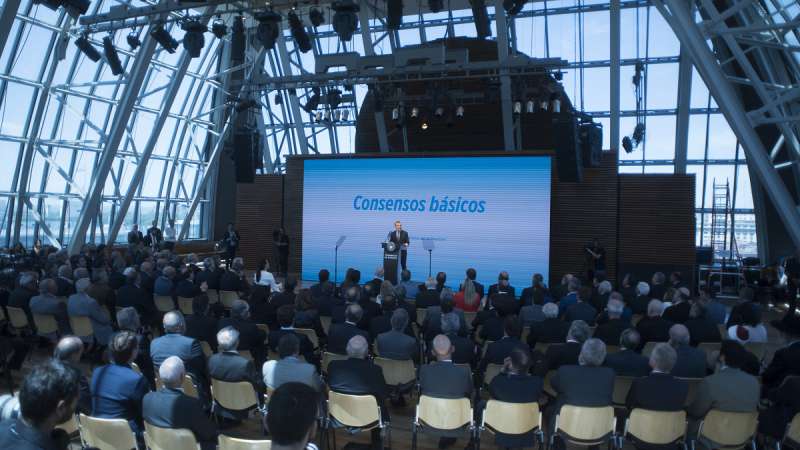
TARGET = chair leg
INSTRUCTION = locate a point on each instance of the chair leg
(753, 443)
(477, 438)
(413, 437)
(777, 445)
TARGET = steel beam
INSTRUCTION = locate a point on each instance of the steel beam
(294, 103)
(505, 81)
(7, 14)
(369, 50)
(614, 73)
(684, 106)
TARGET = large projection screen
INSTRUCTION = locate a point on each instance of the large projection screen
(487, 212)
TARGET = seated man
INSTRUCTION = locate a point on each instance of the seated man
(497, 352)
(165, 284)
(558, 355)
(340, 334)
(395, 343)
(292, 419)
(286, 322)
(516, 385)
(68, 351)
(464, 348)
(81, 305)
(691, 361)
(433, 314)
(228, 365)
(251, 337)
(169, 407)
(701, 328)
(201, 324)
(654, 328)
(290, 368)
(118, 390)
(357, 375)
(627, 362)
(46, 303)
(429, 296)
(549, 331)
(174, 343)
(128, 319)
(610, 331)
(659, 391)
(47, 398)
(582, 309)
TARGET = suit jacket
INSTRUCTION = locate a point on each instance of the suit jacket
(498, 351)
(785, 362)
(250, 336)
(403, 239)
(117, 393)
(581, 311)
(512, 388)
(478, 288)
(230, 281)
(639, 304)
(232, 367)
(339, 335)
(50, 305)
(395, 345)
(504, 303)
(562, 355)
(628, 363)
(171, 408)
(135, 296)
(465, 349)
(491, 325)
(658, 392)
(531, 314)
(611, 331)
(65, 287)
(548, 331)
(81, 305)
(432, 325)
(496, 289)
(702, 330)
(427, 298)
(306, 347)
(443, 379)
(202, 328)
(727, 390)
(533, 295)
(691, 362)
(290, 369)
(678, 313)
(572, 386)
(211, 277)
(653, 329)
(187, 289)
(359, 377)
(185, 348)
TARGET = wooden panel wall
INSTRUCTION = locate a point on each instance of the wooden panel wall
(293, 211)
(258, 212)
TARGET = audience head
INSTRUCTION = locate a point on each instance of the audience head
(678, 335)
(405, 275)
(389, 302)
(80, 272)
(604, 287)
(228, 339)
(172, 372)
(642, 288)
(69, 349)
(502, 278)
(681, 295)
(697, 311)
(293, 415)
(286, 316)
(357, 347)
(615, 308)
(237, 265)
(593, 353)
(304, 300)
(399, 320)
(169, 272)
(663, 358)
(538, 279)
(353, 313)
(48, 286)
(658, 278)
(27, 280)
(130, 275)
(655, 308)
(675, 277)
(324, 276)
(578, 331)
(630, 339)
(240, 309)
(472, 274)
(512, 327)
(128, 319)
(518, 361)
(82, 285)
(386, 288)
(446, 295)
(49, 394)
(550, 310)
(124, 347)
(450, 323)
(65, 271)
(352, 294)
(442, 347)
(288, 345)
(732, 354)
(573, 284)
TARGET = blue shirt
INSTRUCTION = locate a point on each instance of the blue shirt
(163, 286)
(568, 300)
(117, 393)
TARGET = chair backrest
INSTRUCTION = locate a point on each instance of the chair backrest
(492, 370)
(693, 385)
(70, 426)
(709, 347)
(444, 413)
(106, 433)
(621, 387)
(421, 313)
(81, 326)
(17, 317)
(185, 305)
(648, 348)
(656, 427)
(213, 296)
(188, 386)
(325, 321)
(327, 357)
(792, 436)
(206, 348)
(397, 372)
(511, 418)
(235, 396)
(356, 411)
(729, 429)
(157, 438)
(585, 425)
(541, 347)
(228, 297)
(45, 323)
(232, 443)
(163, 303)
(548, 383)
(310, 334)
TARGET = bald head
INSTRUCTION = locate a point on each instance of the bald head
(171, 372)
(442, 347)
(174, 322)
(678, 335)
(69, 349)
(357, 347)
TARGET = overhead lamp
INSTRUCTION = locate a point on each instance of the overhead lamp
(193, 40)
(337, 115)
(301, 39)
(318, 116)
(133, 40)
(414, 112)
(334, 98)
(544, 105)
(112, 57)
(268, 28)
(439, 111)
(316, 17)
(424, 125)
(556, 105)
(87, 48)
(435, 5)
(396, 113)
(345, 21)
(481, 17)
(74, 8)
(517, 107)
(345, 114)
(460, 111)
(219, 28)
(530, 107)
(165, 39)
(394, 14)
(313, 102)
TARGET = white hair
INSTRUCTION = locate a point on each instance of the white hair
(604, 287)
(227, 339)
(128, 319)
(550, 310)
(357, 347)
(615, 307)
(642, 288)
(173, 322)
(655, 308)
(171, 372)
(82, 285)
(593, 353)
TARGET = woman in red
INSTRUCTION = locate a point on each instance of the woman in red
(467, 299)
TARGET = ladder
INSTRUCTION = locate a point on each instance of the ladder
(720, 216)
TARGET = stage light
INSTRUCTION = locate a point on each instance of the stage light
(460, 111)
(556, 104)
(394, 14)
(112, 57)
(345, 114)
(517, 108)
(193, 40)
(318, 116)
(530, 107)
(87, 48)
(327, 116)
(439, 111)
(424, 124)
(414, 112)
(219, 28)
(74, 8)
(316, 17)
(435, 5)
(133, 40)
(268, 28)
(165, 39)
(313, 101)
(334, 98)
(345, 21)
(396, 114)
(627, 144)
(481, 17)
(301, 39)
(544, 105)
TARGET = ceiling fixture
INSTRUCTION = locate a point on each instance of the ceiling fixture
(133, 40)
(345, 21)
(481, 17)
(301, 39)
(112, 57)
(460, 111)
(435, 5)
(517, 107)
(193, 40)
(394, 14)
(165, 39)
(414, 112)
(87, 48)
(219, 28)
(268, 28)
(313, 101)
(316, 17)
(74, 8)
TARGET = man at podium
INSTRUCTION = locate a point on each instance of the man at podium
(400, 237)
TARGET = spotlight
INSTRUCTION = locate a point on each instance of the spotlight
(460, 111)
(337, 115)
(438, 112)
(627, 144)
(396, 114)
(638, 134)
(544, 105)
(345, 21)
(163, 37)
(219, 28)
(133, 40)
(301, 39)
(278, 99)
(424, 124)
(112, 57)
(481, 18)
(318, 116)
(530, 107)
(517, 107)
(268, 28)
(87, 48)
(394, 14)
(414, 112)
(313, 102)
(435, 5)
(193, 40)
(316, 17)
(345, 114)
(334, 98)
(74, 8)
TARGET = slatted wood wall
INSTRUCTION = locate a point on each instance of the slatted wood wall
(258, 212)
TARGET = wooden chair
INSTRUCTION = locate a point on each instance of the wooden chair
(492, 370)
(511, 418)
(157, 438)
(164, 303)
(188, 386)
(655, 428)
(81, 326)
(356, 413)
(106, 433)
(213, 296)
(185, 305)
(206, 348)
(729, 430)
(397, 372)
(693, 385)
(45, 324)
(310, 334)
(442, 414)
(18, 318)
(232, 443)
(621, 387)
(327, 357)
(227, 298)
(792, 435)
(238, 396)
(585, 426)
(325, 321)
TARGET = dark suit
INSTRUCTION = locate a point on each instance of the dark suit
(786, 362)
(339, 335)
(479, 289)
(230, 281)
(639, 304)
(496, 289)
(581, 311)
(548, 331)
(786, 403)
(171, 408)
(562, 355)
(653, 329)
(117, 393)
(443, 379)
(515, 389)
(491, 325)
(504, 303)
(610, 331)
(306, 346)
(702, 330)
(498, 351)
(135, 296)
(210, 277)
(691, 362)
(399, 239)
(570, 383)
(233, 368)
(628, 363)
(250, 336)
(533, 295)
(65, 287)
(427, 298)
(359, 377)
(658, 392)
(395, 345)
(464, 352)
(202, 328)
(185, 348)
(678, 313)
(187, 289)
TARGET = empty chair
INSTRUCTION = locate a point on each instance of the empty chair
(227, 298)
(163, 303)
(512, 418)
(728, 430)
(356, 413)
(442, 414)
(232, 443)
(185, 305)
(157, 438)
(586, 426)
(106, 433)
(656, 427)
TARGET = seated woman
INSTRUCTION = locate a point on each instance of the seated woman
(263, 277)
(467, 299)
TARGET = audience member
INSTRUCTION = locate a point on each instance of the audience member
(210, 274)
(568, 353)
(228, 365)
(186, 287)
(64, 281)
(503, 286)
(464, 349)
(323, 293)
(785, 362)
(306, 314)
(128, 320)
(21, 296)
(395, 343)
(472, 275)
(750, 329)
(81, 305)
(411, 287)
(681, 307)
(628, 362)
(599, 298)
(498, 351)
(701, 329)
(69, 351)
(340, 334)
(610, 331)
(773, 420)
(467, 299)
(432, 321)
(571, 298)
(292, 420)
(174, 343)
(691, 362)
(657, 286)
(536, 294)
(286, 323)
(263, 277)
(100, 289)
(653, 327)
(290, 368)
(132, 294)
(429, 296)
(640, 303)
(251, 338)
(550, 330)
(201, 324)
(659, 391)
(46, 303)
(515, 385)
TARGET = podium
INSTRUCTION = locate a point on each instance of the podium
(391, 253)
